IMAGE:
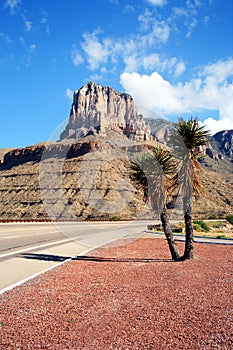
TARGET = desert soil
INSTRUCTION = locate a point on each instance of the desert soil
(129, 295)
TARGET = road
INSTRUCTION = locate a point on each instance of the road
(27, 249)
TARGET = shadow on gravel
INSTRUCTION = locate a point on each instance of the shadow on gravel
(101, 259)
(58, 258)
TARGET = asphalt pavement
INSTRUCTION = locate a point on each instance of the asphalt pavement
(27, 249)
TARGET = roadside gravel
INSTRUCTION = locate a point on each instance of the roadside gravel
(128, 295)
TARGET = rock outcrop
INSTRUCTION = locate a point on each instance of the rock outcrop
(224, 139)
(96, 108)
(37, 153)
(3, 151)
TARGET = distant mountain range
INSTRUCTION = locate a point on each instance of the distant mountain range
(223, 141)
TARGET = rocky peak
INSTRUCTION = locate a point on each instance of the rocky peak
(224, 139)
(96, 108)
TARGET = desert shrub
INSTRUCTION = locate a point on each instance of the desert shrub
(220, 236)
(198, 228)
(213, 217)
(115, 218)
(229, 218)
(201, 225)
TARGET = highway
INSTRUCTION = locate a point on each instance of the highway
(27, 249)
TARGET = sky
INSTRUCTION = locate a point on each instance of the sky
(174, 57)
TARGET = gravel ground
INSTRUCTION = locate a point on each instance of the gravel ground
(125, 296)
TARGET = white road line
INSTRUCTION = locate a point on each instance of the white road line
(52, 267)
(34, 234)
(25, 229)
(36, 247)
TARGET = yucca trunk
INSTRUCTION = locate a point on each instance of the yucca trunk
(189, 241)
(169, 235)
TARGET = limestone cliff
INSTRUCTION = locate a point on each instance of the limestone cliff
(96, 108)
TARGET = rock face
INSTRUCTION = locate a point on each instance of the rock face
(38, 153)
(161, 129)
(225, 142)
(96, 108)
(3, 151)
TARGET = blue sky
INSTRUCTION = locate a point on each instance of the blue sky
(174, 57)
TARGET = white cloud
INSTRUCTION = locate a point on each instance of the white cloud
(212, 90)
(13, 5)
(157, 2)
(32, 48)
(206, 19)
(131, 63)
(5, 38)
(186, 16)
(76, 57)
(220, 70)
(179, 68)
(157, 62)
(218, 125)
(141, 51)
(28, 26)
(151, 61)
(151, 91)
(158, 30)
(44, 21)
(129, 8)
(22, 40)
(69, 94)
(97, 52)
(191, 26)
(161, 31)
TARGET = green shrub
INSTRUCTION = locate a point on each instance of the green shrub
(229, 218)
(202, 225)
(221, 236)
(115, 218)
(213, 217)
(198, 228)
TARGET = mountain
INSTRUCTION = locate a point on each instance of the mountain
(86, 174)
(160, 129)
(96, 108)
(220, 145)
(224, 142)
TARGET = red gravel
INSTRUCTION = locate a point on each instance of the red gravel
(125, 297)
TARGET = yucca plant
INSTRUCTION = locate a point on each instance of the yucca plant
(188, 140)
(156, 172)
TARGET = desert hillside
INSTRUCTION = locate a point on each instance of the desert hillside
(92, 181)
